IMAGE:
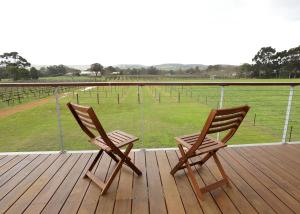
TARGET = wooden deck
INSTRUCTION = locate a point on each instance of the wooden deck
(265, 179)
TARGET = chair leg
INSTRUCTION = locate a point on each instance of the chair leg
(118, 167)
(111, 178)
(200, 162)
(129, 163)
(219, 165)
(193, 180)
(191, 176)
(133, 167)
(94, 162)
(123, 159)
(180, 162)
(113, 156)
(205, 158)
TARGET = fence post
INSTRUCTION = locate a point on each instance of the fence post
(77, 98)
(287, 115)
(60, 131)
(142, 118)
(291, 130)
(221, 105)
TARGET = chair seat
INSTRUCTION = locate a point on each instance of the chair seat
(118, 138)
(208, 144)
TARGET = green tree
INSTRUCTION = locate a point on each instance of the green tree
(152, 70)
(110, 70)
(34, 73)
(293, 62)
(3, 73)
(246, 70)
(14, 59)
(15, 65)
(56, 70)
(96, 68)
(264, 62)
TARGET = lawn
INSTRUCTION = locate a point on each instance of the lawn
(156, 116)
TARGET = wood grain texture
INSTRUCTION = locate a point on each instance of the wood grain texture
(55, 183)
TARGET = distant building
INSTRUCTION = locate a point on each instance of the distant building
(89, 73)
(212, 77)
(116, 73)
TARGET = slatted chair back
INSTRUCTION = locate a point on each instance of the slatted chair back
(220, 120)
(88, 121)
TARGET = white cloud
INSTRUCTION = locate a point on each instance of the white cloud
(146, 32)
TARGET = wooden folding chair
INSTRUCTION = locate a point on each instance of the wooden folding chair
(107, 142)
(201, 144)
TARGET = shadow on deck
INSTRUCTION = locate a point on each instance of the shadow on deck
(265, 179)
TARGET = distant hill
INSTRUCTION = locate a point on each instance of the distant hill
(163, 67)
(176, 67)
(130, 66)
(79, 67)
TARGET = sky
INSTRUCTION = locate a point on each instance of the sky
(147, 32)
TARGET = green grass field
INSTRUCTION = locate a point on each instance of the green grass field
(162, 113)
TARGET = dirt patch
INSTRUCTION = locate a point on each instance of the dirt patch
(23, 107)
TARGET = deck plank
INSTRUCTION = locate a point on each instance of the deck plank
(173, 199)
(6, 159)
(92, 195)
(293, 148)
(10, 164)
(16, 168)
(53, 183)
(62, 193)
(239, 200)
(41, 200)
(124, 192)
(2, 156)
(253, 197)
(283, 153)
(279, 157)
(208, 205)
(140, 193)
(106, 202)
(189, 199)
(271, 185)
(156, 197)
(75, 198)
(284, 180)
(14, 196)
(257, 185)
(219, 195)
(22, 174)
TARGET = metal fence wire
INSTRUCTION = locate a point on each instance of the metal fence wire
(156, 112)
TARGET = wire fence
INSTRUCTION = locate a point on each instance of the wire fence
(156, 113)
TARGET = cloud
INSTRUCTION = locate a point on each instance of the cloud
(289, 9)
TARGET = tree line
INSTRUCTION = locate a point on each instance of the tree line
(268, 63)
(14, 66)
